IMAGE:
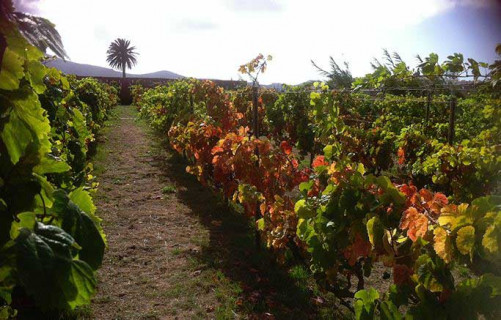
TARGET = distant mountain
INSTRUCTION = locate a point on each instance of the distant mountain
(87, 70)
(164, 74)
(274, 85)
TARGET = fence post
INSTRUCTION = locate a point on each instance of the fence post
(255, 129)
(452, 116)
(428, 104)
(255, 111)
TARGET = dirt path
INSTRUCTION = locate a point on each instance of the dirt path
(174, 251)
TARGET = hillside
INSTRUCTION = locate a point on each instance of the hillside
(88, 70)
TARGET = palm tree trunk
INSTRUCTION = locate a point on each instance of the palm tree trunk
(123, 71)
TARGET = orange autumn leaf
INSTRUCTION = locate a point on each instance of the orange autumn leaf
(408, 190)
(426, 195)
(401, 156)
(262, 208)
(319, 161)
(440, 199)
(286, 148)
(415, 223)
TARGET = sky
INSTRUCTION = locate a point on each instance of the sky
(211, 38)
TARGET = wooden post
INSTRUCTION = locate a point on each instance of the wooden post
(428, 104)
(452, 116)
(255, 129)
(255, 111)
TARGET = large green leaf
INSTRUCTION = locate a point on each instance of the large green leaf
(81, 284)
(81, 128)
(51, 165)
(81, 226)
(11, 71)
(27, 126)
(47, 271)
(36, 72)
(375, 231)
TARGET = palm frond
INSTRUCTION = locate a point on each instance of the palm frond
(375, 64)
(338, 77)
(41, 33)
(320, 70)
(397, 57)
(388, 58)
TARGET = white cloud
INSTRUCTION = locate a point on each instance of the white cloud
(211, 39)
(29, 6)
(254, 5)
(195, 25)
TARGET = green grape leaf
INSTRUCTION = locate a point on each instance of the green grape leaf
(81, 128)
(81, 284)
(27, 126)
(328, 152)
(365, 304)
(51, 165)
(11, 71)
(375, 230)
(26, 220)
(80, 226)
(260, 224)
(83, 200)
(36, 72)
(16, 137)
(303, 210)
(47, 270)
(389, 311)
(306, 186)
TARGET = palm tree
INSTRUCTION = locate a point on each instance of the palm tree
(121, 55)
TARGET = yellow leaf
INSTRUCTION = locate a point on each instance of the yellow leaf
(442, 245)
(375, 231)
(491, 239)
(465, 239)
(455, 216)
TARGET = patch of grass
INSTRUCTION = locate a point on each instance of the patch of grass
(176, 251)
(105, 299)
(176, 291)
(299, 273)
(170, 188)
